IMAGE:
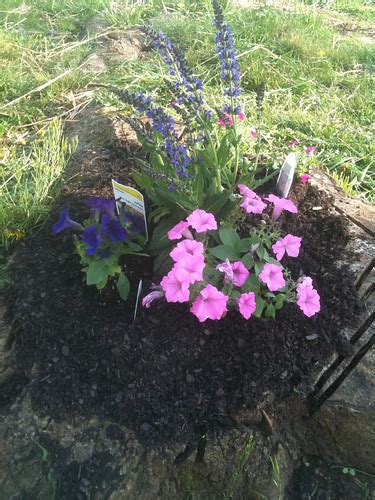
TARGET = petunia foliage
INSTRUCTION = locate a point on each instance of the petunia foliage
(102, 240)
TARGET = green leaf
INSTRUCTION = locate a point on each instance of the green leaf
(96, 272)
(134, 246)
(244, 245)
(270, 311)
(143, 181)
(258, 266)
(223, 151)
(260, 306)
(261, 252)
(198, 187)
(229, 236)
(215, 202)
(163, 262)
(271, 260)
(123, 286)
(251, 284)
(223, 252)
(248, 261)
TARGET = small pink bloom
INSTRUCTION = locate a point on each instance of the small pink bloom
(209, 304)
(281, 204)
(148, 299)
(241, 116)
(228, 119)
(180, 230)
(173, 104)
(190, 247)
(226, 268)
(305, 283)
(293, 142)
(247, 192)
(289, 244)
(222, 123)
(309, 301)
(305, 178)
(176, 285)
(247, 304)
(193, 264)
(253, 205)
(240, 273)
(310, 150)
(253, 132)
(202, 221)
(272, 276)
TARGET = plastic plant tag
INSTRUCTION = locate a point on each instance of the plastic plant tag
(132, 200)
(285, 179)
(137, 299)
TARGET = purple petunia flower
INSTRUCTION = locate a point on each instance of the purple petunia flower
(65, 222)
(98, 205)
(92, 238)
(105, 253)
(113, 229)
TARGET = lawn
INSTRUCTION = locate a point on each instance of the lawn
(316, 59)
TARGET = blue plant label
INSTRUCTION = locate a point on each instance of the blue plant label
(132, 201)
(285, 179)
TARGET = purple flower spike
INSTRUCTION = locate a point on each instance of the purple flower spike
(91, 238)
(102, 205)
(65, 222)
(113, 229)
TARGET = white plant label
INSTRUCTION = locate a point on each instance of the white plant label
(285, 179)
(137, 299)
(133, 201)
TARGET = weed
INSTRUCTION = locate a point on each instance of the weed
(276, 477)
(243, 462)
(50, 477)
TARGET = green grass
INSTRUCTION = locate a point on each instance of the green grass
(319, 82)
(30, 180)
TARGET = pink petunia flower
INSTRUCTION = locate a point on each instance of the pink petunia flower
(272, 276)
(228, 119)
(293, 142)
(253, 132)
(253, 205)
(247, 192)
(289, 244)
(281, 204)
(209, 304)
(222, 123)
(193, 264)
(308, 301)
(305, 178)
(226, 268)
(202, 221)
(180, 230)
(176, 285)
(190, 247)
(310, 150)
(148, 299)
(240, 273)
(241, 116)
(247, 304)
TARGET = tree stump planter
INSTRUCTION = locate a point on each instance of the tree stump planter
(165, 407)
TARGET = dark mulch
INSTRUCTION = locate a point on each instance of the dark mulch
(166, 376)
